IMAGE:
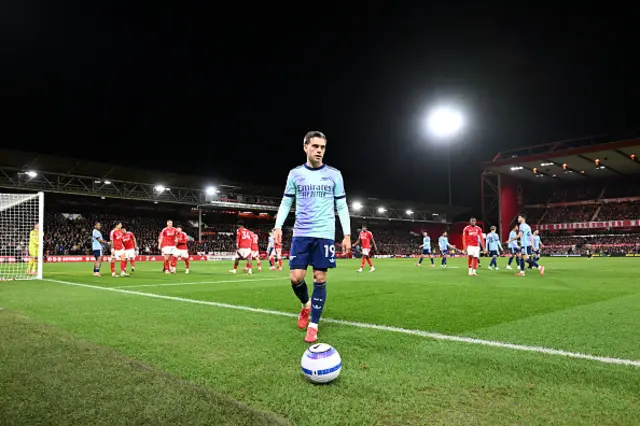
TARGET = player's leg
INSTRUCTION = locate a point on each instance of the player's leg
(112, 263)
(236, 261)
(298, 264)
(132, 260)
(123, 264)
(166, 261)
(469, 261)
(362, 260)
(96, 265)
(370, 263)
(420, 260)
(432, 261)
(258, 262)
(187, 262)
(323, 257)
(31, 264)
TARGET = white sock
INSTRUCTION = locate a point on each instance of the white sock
(313, 325)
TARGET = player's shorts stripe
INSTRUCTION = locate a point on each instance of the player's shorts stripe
(290, 195)
(340, 197)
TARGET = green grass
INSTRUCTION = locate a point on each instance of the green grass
(78, 355)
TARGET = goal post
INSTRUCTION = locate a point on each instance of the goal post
(21, 250)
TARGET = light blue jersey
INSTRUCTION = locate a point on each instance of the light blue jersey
(426, 243)
(443, 243)
(525, 239)
(317, 192)
(493, 241)
(536, 242)
(513, 235)
(95, 240)
(271, 243)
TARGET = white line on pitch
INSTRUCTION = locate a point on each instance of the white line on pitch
(428, 334)
(201, 282)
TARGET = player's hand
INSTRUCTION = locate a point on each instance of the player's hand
(346, 244)
(277, 234)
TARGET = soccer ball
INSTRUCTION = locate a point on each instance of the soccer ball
(321, 363)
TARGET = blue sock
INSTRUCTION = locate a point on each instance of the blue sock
(95, 270)
(520, 263)
(317, 301)
(421, 259)
(532, 262)
(301, 291)
(511, 260)
(432, 261)
(493, 262)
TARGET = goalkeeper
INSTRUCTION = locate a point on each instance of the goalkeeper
(34, 245)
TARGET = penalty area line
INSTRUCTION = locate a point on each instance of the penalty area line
(427, 334)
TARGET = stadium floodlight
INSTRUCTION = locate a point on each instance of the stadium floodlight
(516, 168)
(211, 190)
(32, 174)
(381, 210)
(409, 212)
(107, 182)
(357, 205)
(445, 122)
(546, 164)
(159, 188)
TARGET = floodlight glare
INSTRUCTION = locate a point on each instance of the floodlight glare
(444, 122)
(32, 174)
(211, 190)
(357, 205)
(159, 188)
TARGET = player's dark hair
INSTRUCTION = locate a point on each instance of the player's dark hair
(118, 222)
(241, 223)
(313, 134)
(472, 218)
(522, 215)
(178, 226)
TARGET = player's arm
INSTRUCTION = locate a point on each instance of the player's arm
(342, 208)
(517, 237)
(160, 241)
(135, 242)
(356, 243)
(464, 239)
(285, 205)
(373, 241)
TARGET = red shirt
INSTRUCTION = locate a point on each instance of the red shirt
(365, 239)
(116, 237)
(243, 238)
(128, 240)
(181, 241)
(471, 236)
(254, 241)
(168, 237)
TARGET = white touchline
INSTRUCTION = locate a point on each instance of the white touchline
(201, 282)
(428, 334)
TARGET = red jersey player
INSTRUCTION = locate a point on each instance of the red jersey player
(255, 250)
(182, 251)
(365, 239)
(130, 246)
(243, 248)
(167, 245)
(117, 250)
(277, 245)
(471, 242)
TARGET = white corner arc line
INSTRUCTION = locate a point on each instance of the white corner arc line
(427, 334)
(200, 282)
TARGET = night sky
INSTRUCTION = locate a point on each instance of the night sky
(232, 97)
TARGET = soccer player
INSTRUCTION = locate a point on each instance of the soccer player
(243, 248)
(96, 246)
(426, 249)
(130, 247)
(513, 247)
(34, 245)
(443, 244)
(182, 250)
(494, 246)
(537, 246)
(117, 250)
(366, 240)
(271, 251)
(471, 245)
(277, 244)
(526, 242)
(316, 188)
(255, 250)
(167, 246)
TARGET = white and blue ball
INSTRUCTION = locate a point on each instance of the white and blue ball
(321, 363)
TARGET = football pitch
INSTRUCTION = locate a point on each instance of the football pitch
(419, 346)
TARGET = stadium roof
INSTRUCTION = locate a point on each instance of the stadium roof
(571, 161)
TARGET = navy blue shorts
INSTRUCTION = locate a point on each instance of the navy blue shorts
(97, 254)
(444, 252)
(527, 250)
(494, 253)
(536, 252)
(426, 252)
(514, 250)
(320, 253)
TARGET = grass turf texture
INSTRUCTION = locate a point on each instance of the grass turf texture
(84, 356)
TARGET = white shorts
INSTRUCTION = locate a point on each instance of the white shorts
(278, 252)
(181, 253)
(168, 250)
(255, 254)
(130, 254)
(366, 251)
(117, 254)
(243, 253)
(473, 251)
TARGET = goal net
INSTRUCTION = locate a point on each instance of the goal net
(21, 236)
